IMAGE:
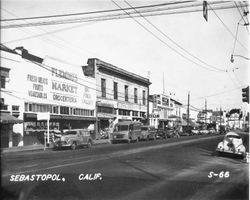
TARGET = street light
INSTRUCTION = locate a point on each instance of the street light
(232, 57)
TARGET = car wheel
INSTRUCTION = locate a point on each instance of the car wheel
(73, 146)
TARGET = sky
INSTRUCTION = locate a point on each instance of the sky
(128, 44)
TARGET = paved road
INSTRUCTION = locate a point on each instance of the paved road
(181, 168)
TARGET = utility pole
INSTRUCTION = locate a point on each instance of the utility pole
(220, 117)
(188, 109)
(205, 111)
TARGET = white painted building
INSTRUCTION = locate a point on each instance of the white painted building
(53, 86)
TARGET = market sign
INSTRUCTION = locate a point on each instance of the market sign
(61, 84)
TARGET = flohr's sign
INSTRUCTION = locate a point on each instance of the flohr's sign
(62, 84)
(63, 89)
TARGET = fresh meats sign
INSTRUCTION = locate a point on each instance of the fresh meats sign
(61, 84)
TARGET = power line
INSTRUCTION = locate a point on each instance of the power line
(165, 42)
(49, 68)
(173, 40)
(217, 94)
(241, 15)
(113, 16)
(93, 12)
(227, 28)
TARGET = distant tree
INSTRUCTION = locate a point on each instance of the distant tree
(234, 110)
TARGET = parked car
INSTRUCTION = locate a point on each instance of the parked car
(204, 132)
(195, 131)
(126, 131)
(148, 132)
(232, 144)
(73, 138)
(211, 131)
(162, 133)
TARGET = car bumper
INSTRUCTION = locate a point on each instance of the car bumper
(229, 151)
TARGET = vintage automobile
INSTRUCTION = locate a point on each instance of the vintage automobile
(212, 131)
(73, 138)
(204, 132)
(232, 144)
(126, 131)
(195, 131)
(148, 133)
(168, 133)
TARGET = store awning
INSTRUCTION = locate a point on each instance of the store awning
(105, 105)
(174, 118)
(6, 118)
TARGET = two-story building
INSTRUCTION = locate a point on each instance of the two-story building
(121, 95)
(164, 110)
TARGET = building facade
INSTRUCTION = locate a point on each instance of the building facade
(164, 110)
(53, 86)
(121, 95)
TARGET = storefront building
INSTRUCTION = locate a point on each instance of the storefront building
(162, 110)
(121, 95)
(8, 115)
(53, 87)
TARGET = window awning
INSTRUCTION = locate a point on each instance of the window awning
(6, 118)
(174, 118)
(105, 105)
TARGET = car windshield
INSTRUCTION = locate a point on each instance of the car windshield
(233, 136)
(70, 133)
(144, 128)
(121, 128)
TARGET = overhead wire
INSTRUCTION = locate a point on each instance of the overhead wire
(225, 26)
(49, 68)
(112, 17)
(46, 40)
(174, 41)
(219, 93)
(94, 12)
(242, 16)
(166, 44)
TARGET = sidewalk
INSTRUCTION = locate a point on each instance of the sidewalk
(37, 147)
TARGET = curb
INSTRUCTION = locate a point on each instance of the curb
(40, 147)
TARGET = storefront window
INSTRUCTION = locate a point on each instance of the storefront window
(135, 113)
(3, 81)
(144, 97)
(126, 92)
(64, 110)
(15, 108)
(135, 96)
(103, 87)
(115, 90)
(124, 112)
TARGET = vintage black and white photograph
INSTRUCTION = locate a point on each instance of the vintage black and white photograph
(124, 100)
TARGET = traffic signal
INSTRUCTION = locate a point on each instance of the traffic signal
(205, 14)
(245, 94)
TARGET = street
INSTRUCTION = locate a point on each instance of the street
(183, 168)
